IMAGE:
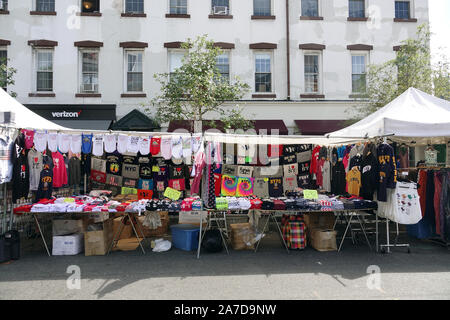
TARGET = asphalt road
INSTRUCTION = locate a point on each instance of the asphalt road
(268, 274)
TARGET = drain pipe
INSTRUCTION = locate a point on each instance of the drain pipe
(288, 59)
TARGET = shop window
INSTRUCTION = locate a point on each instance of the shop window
(134, 71)
(263, 74)
(356, 9)
(262, 7)
(88, 6)
(134, 6)
(44, 70)
(178, 6)
(402, 10)
(312, 73)
(223, 64)
(359, 73)
(89, 71)
(3, 62)
(45, 5)
(220, 7)
(310, 8)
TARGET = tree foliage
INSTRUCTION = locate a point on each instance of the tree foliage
(6, 75)
(196, 88)
(411, 67)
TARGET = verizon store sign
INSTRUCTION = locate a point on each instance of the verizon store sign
(65, 114)
(75, 112)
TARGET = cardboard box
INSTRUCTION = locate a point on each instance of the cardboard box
(158, 232)
(128, 244)
(318, 220)
(62, 227)
(96, 243)
(324, 240)
(241, 235)
(127, 230)
(193, 217)
(99, 216)
(68, 245)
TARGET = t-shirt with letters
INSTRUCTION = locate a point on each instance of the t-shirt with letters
(114, 163)
(276, 187)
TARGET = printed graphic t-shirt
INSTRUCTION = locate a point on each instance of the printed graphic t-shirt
(114, 163)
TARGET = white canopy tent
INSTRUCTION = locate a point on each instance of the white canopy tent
(414, 115)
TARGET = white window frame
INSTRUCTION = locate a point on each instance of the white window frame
(272, 77)
(229, 7)
(80, 68)
(125, 69)
(320, 73)
(319, 8)
(412, 12)
(34, 77)
(228, 52)
(125, 6)
(187, 7)
(366, 55)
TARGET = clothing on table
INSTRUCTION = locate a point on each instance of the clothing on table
(354, 181)
(36, 165)
(387, 170)
(59, 170)
(6, 165)
(86, 144)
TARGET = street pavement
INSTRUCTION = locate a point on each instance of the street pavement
(268, 274)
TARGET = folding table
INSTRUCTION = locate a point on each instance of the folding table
(132, 218)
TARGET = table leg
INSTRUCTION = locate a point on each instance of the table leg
(117, 234)
(135, 232)
(42, 234)
(200, 237)
(345, 233)
(280, 233)
(376, 231)
(264, 230)
(364, 231)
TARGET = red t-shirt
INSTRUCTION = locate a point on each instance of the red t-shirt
(314, 160)
(59, 170)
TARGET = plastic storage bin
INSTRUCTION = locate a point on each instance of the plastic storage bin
(185, 236)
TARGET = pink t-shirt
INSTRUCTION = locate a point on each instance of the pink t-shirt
(29, 138)
(59, 170)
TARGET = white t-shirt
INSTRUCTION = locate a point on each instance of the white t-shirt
(64, 142)
(97, 145)
(52, 141)
(110, 143)
(166, 147)
(133, 144)
(122, 143)
(187, 151)
(196, 141)
(40, 141)
(177, 147)
(144, 145)
(75, 143)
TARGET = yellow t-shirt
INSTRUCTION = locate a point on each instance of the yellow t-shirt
(354, 181)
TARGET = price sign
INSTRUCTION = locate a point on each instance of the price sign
(310, 194)
(172, 194)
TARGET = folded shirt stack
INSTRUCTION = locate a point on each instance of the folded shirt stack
(221, 203)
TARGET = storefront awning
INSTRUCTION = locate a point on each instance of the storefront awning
(85, 124)
(270, 126)
(319, 127)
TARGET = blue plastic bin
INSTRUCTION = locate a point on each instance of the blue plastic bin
(185, 236)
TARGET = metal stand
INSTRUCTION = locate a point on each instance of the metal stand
(271, 215)
(388, 245)
(349, 221)
(208, 226)
(42, 234)
(119, 232)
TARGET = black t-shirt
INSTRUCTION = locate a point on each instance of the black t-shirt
(303, 167)
(177, 172)
(114, 163)
(145, 167)
(86, 163)
(129, 159)
(275, 187)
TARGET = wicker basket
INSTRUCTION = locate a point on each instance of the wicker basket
(158, 232)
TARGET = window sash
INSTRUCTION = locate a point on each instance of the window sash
(402, 9)
(356, 9)
(45, 5)
(220, 3)
(223, 64)
(310, 8)
(262, 7)
(134, 81)
(44, 81)
(134, 71)
(311, 73)
(44, 70)
(89, 69)
(263, 74)
(134, 6)
(4, 61)
(178, 6)
(358, 73)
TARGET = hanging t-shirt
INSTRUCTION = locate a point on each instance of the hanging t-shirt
(97, 145)
(114, 163)
(133, 144)
(177, 172)
(276, 187)
(217, 183)
(431, 157)
(261, 187)
(290, 183)
(274, 150)
(177, 184)
(75, 143)
(40, 141)
(290, 169)
(86, 163)
(244, 187)
(45, 187)
(52, 143)
(196, 142)
(288, 159)
(110, 143)
(245, 171)
(304, 156)
(155, 146)
(229, 185)
(29, 138)
(86, 145)
(145, 184)
(36, 165)
(6, 166)
(114, 180)
(161, 177)
(229, 169)
(354, 181)
(166, 147)
(130, 171)
(304, 180)
(98, 164)
(326, 176)
(145, 167)
(64, 142)
(177, 147)
(144, 145)
(97, 176)
(129, 183)
(59, 170)
(187, 149)
(129, 158)
(122, 143)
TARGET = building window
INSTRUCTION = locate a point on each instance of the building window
(221, 7)
(89, 71)
(262, 8)
(45, 5)
(359, 73)
(312, 73)
(134, 6)
(175, 61)
(402, 10)
(90, 6)
(178, 6)
(4, 5)
(310, 8)
(134, 71)
(44, 69)
(223, 64)
(3, 62)
(263, 75)
(356, 9)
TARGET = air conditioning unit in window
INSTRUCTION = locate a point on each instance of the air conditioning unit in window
(220, 10)
(89, 87)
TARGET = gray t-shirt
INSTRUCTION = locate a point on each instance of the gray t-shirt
(36, 165)
(326, 175)
(261, 187)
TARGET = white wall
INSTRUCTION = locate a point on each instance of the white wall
(334, 31)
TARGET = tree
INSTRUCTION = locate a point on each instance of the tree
(6, 75)
(412, 67)
(197, 88)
